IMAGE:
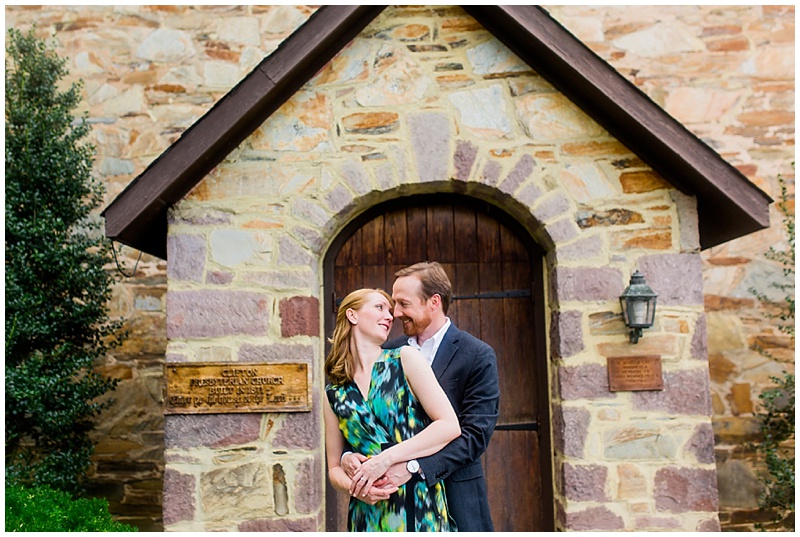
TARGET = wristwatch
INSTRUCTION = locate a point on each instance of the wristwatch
(412, 466)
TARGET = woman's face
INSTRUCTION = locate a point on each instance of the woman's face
(374, 318)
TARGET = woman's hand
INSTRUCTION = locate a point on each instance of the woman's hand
(351, 463)
(370, 471)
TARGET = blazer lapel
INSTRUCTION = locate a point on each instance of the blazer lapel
(447, 349)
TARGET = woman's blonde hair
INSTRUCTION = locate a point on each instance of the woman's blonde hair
(340, 363)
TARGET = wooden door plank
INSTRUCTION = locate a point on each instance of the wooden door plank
(417, 225)
(373, 251)
(441, 246)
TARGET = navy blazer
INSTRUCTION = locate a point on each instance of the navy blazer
(466, 368)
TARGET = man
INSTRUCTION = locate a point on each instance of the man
(466, 368)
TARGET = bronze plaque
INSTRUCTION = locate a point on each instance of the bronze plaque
(232, 387)
(635, 373)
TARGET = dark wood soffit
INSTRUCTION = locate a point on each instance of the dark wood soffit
(138, 215)
(730, 205)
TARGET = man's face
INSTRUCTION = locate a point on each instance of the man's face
(409, 307)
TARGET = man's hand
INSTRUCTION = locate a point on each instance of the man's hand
(397, 475)
(351, 463)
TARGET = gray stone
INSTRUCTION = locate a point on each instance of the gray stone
(738, 486)
(280, 525)
(284, 280)
(231, 247)
(187, 256)
(111, 166)
(166, 46)
(235, 489)
(430, 139)
(493, 57)
(482, 111)
(643, 441)
(711, 524)
(582, 249)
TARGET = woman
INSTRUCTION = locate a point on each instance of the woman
(387, 406)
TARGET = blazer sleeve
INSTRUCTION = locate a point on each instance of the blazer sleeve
(477, 415)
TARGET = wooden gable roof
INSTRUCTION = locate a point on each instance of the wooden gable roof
(729, 205)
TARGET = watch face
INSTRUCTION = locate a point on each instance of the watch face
(412, 466)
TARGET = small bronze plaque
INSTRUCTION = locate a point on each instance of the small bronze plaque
(635, 373)
(232, 387)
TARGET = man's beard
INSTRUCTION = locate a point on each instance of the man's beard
(414, 327)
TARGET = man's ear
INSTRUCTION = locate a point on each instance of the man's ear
(436, 301)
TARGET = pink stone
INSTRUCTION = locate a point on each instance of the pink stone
(588, 283)
(585, 482)
(685, 392)
(308, 493)
(299, 316)
(594, 518)
(680, 490)
(193, 314)
(570, 429)
(566, 333)
(179, 499)
(210, 430)
(589, 381)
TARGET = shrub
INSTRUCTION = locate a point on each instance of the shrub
(45, 509)
(57, 288)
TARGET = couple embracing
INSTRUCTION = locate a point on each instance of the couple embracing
(408, 420)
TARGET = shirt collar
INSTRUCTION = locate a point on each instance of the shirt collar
(431, 345)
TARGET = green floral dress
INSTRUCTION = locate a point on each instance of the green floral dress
(390, 415)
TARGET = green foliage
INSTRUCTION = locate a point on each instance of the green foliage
(57, 288)
(776, 420)
(45, 509)
(777, 425)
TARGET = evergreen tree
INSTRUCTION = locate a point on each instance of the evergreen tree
(57, 289)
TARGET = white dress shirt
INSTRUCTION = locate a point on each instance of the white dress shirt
(430, 346)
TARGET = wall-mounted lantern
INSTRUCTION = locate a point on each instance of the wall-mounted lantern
(638, 306)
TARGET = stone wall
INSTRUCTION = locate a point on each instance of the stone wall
(425, 100)
(151, 71)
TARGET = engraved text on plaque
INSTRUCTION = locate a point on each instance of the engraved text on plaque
(226, 387)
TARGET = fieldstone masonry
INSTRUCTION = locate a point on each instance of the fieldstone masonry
(425, 100)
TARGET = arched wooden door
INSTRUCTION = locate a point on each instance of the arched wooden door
(497, 289)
